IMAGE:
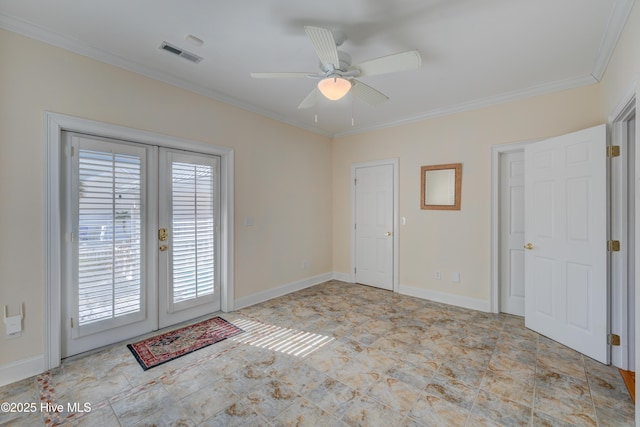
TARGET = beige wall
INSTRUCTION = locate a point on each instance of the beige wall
(291, 216)
(452, 241)
(282, 174)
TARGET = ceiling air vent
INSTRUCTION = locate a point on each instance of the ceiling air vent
(180, 52)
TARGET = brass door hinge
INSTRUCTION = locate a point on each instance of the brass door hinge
(613, 151)
(613, 339)
(613, 245)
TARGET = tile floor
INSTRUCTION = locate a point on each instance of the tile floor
(338, 354)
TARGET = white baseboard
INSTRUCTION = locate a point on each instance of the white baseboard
(21, 369)
(280, 291)
(445, 298)
(343, 277)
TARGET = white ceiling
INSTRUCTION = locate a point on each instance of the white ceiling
(474, 52)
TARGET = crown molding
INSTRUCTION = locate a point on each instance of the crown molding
(35, 32)
(615, 26)
(542, 89)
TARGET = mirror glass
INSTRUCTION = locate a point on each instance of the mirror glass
(441, 185)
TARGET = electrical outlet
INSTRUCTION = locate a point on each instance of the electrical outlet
(437, 275)
(455, 277)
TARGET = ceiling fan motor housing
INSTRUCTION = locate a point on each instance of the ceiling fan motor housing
(345, 63)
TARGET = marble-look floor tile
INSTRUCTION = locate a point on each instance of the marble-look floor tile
(340, 354)
(508, 388)
(394, 393)
(501, 410)
(236, 415)
(415, 375)
(137, 404)
(463, 370)
(616, 417)
(302, 413)
(451, 390)
(575, 411)
(270, 399)
(432, 410)
(541, 419)
(369, 412)
(357, 375)
(303, 378)
(555, 363)
(507, 367)
(562, 385)
(333, 396)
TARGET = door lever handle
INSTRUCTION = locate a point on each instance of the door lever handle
(528, 246)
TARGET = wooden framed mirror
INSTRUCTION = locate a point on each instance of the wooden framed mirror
(441, 186)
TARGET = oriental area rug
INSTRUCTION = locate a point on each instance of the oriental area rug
(165, 347)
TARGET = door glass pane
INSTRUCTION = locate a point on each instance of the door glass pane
(193, 226)
(109, 234)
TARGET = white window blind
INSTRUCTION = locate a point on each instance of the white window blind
(193, 226)
(109, 248)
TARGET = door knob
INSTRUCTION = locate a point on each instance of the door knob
(163, 248)
(528, 246)
(388, 233)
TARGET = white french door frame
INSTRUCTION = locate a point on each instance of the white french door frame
(386, 162)
(55, 124)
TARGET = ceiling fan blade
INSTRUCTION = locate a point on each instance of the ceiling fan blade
(367, 93)
(409, 60)
(310, 100)
(281, 75)
(325, 45)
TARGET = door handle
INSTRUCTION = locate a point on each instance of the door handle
(163, 248)
(388, 233)
(528, 246)
(162, 234)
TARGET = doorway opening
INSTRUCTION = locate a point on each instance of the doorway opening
(624, 219)
(57, 125)
(374, 223)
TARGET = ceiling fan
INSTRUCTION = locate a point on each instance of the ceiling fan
(337, 76)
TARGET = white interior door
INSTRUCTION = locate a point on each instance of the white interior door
(512, 233)
(566, 234)
(188, 248)
(374, 226)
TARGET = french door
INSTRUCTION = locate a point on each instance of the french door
(187, 237)
(141, 247)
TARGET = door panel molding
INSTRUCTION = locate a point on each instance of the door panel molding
(55, 124)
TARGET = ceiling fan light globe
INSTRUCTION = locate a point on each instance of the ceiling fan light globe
(334, 88)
